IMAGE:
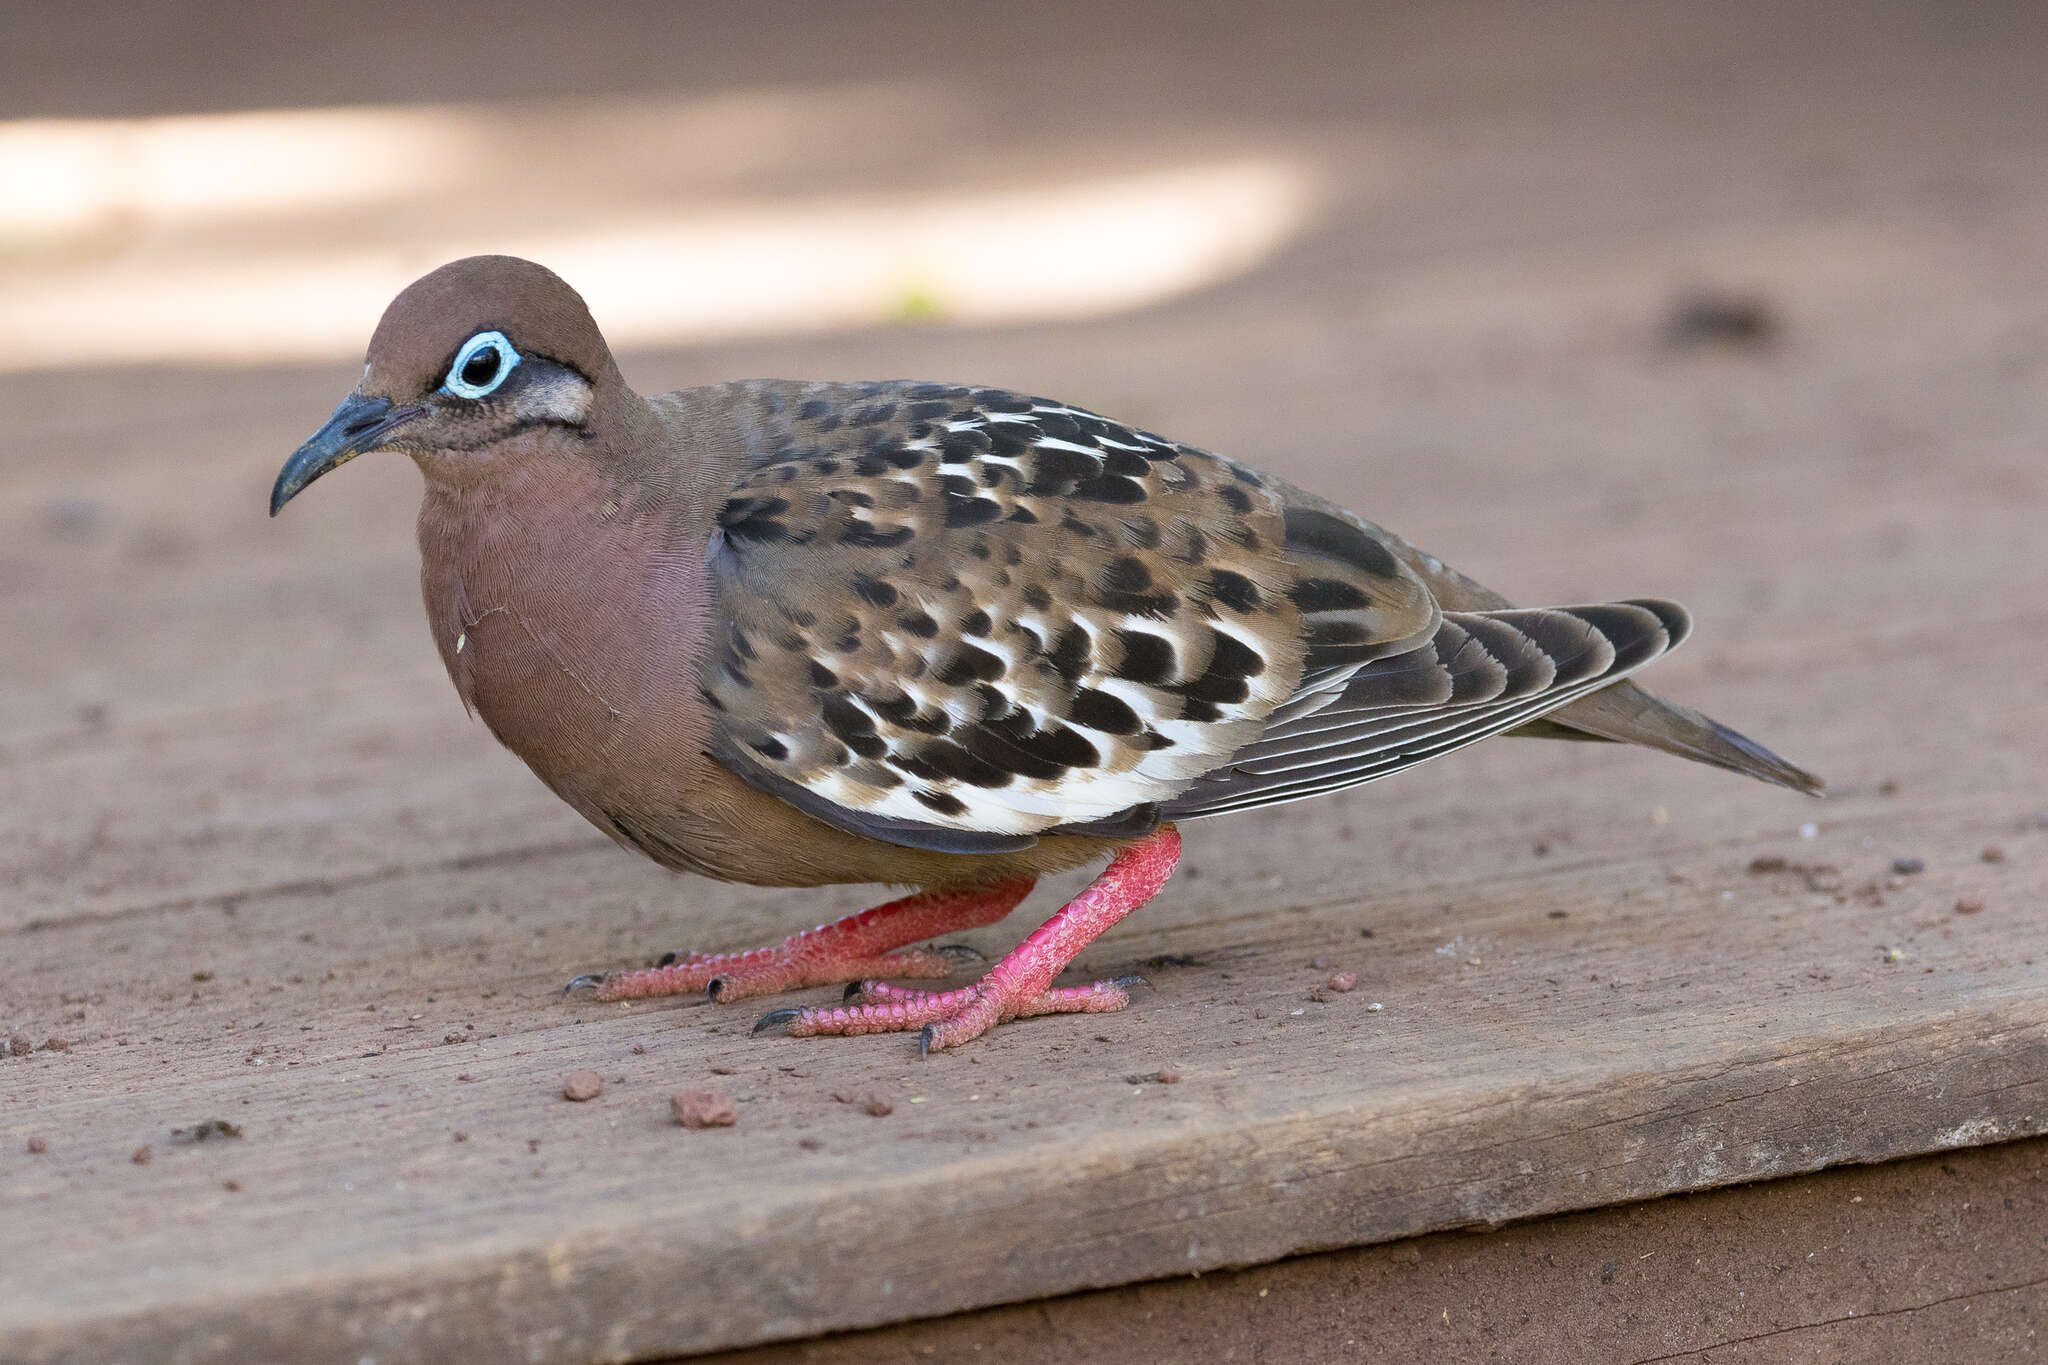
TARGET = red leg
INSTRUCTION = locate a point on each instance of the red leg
(1021, 984)
(845, 950)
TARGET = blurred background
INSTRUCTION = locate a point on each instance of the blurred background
(1741, 303)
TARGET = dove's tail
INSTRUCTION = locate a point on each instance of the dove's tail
(1626, 714)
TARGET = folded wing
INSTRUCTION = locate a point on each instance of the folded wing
(1482, 673)
(957, 619)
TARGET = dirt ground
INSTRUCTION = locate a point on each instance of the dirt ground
(1741, 305)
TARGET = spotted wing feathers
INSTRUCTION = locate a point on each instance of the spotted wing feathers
(958, 618)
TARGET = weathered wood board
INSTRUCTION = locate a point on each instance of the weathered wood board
(256, 866)
(1942, 1257)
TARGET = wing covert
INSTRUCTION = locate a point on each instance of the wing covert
(961, 618)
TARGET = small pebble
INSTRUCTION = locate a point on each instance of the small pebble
(639, 1049)
(1153, 1077)
(458, 1136)
(702, 1109)
(876, 1104)
(582, 1085)
(1822, 877)
(141, 1156)
(721, 1071)
(231, 1186)
(1319, 963)
(37, 1146)
(1375, 1007)
(55, 1045)
(20, 1045)
(1969, 905)
(1909, 867)
(207, 1131)
(1710, 318)
(1809, 830)
(1344, 981)
(1992, 854)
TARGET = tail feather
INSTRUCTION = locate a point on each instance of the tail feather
(1623, 713)
(1626, 714)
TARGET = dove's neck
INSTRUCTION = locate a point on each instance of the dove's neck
(571, 608)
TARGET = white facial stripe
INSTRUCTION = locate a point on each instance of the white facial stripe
(564, 396)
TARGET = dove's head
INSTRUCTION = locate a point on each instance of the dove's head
(482, 352)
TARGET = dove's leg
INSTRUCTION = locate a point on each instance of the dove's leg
(1021, 984)
(847, 949)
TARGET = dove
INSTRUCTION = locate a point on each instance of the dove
(946, 638)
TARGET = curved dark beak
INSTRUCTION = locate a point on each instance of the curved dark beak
(359, 424)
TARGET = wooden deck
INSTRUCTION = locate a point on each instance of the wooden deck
(1935, 1258)
(257, 867)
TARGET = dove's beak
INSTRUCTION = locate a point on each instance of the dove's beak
(361, 423)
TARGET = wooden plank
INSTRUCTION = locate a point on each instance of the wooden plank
(362, 1224)
(1939, 1258)
(256, 866)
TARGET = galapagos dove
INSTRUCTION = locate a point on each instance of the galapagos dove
(937, 636)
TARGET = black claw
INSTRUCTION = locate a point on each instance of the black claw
(774, 1018)
(924, 1041)
(668, 959)
(714, 988)
(587, 979)
(852, 992)
(1129, 981)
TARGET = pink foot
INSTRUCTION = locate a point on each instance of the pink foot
(870, 943)
(1021, 984)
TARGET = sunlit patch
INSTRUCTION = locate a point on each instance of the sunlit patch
(295, 286)
(72, 178)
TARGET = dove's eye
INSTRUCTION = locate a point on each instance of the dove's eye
(481, 366)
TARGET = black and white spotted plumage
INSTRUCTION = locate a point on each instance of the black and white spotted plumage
(958, 619)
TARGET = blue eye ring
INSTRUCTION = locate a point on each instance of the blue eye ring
(462, 385)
